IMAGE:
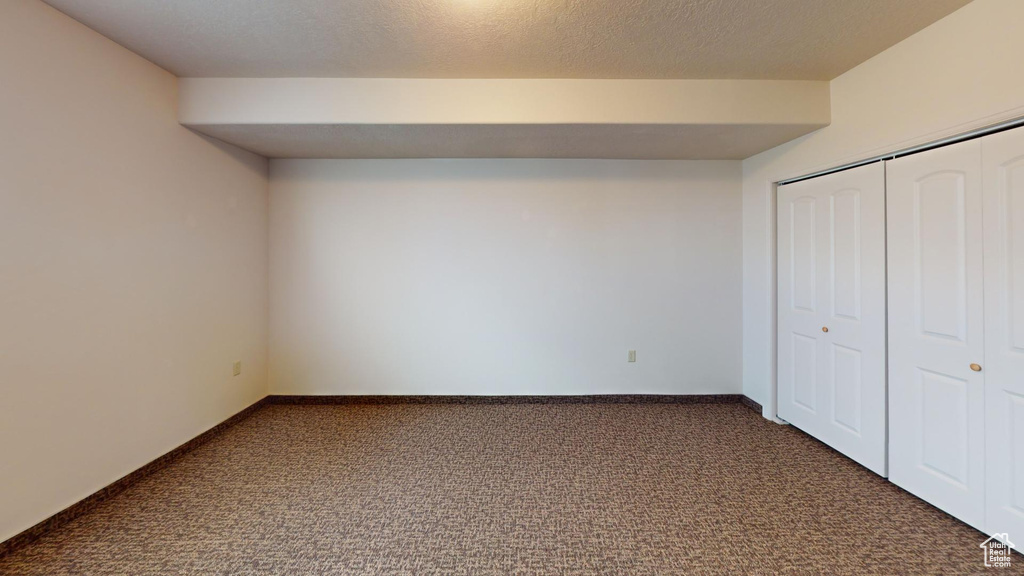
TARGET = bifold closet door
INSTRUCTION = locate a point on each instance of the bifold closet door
(831, 311)
(936, 328)
(1003, 160)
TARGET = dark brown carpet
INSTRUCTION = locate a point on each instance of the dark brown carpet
(516, 488)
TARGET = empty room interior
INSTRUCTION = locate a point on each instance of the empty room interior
(511, 287)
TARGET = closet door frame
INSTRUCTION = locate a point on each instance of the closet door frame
(1000, 483)
(768, 196)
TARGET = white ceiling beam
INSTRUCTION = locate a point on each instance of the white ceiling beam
(500, 101)
(361, 118)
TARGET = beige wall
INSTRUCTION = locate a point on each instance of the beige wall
(504, 277)
(963, 72)
(132, 267)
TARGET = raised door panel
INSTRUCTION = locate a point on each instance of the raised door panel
(1010, 180)
(1003, 157)
(1010, 448)
(845, 244)
(848, 388)
(803, 247)
(940, 255)
(943, 435)
(805, 372)
(936, 328)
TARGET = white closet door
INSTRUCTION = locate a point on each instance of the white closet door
(831, 317)
(1003, 157)
(936, 331)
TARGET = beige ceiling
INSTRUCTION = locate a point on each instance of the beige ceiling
(753, 39)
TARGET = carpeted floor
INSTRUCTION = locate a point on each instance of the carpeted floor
(513, 488)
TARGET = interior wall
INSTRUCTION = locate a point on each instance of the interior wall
(133, 262)
(961, 73)
(504, 277)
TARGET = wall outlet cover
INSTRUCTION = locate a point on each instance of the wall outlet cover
(632, 355)
(236, 368)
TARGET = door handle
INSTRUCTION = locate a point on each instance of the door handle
(976, 367)
(824, 328)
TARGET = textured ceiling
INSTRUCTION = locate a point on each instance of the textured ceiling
(753, 39)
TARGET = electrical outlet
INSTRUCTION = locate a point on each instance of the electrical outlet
(632, 355)
(236, 368)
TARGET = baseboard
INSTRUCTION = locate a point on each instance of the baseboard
(590, 399)
(90, 502)
(746, 401)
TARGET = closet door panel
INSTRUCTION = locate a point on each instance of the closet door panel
(940, 255)
(1003, 158)
(936, 328)
(799, 315)
(803, 247)
(845, 246)
(832, 311)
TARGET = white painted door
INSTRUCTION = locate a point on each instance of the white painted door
(936, 331)
(831, 316)
(1003, 160)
